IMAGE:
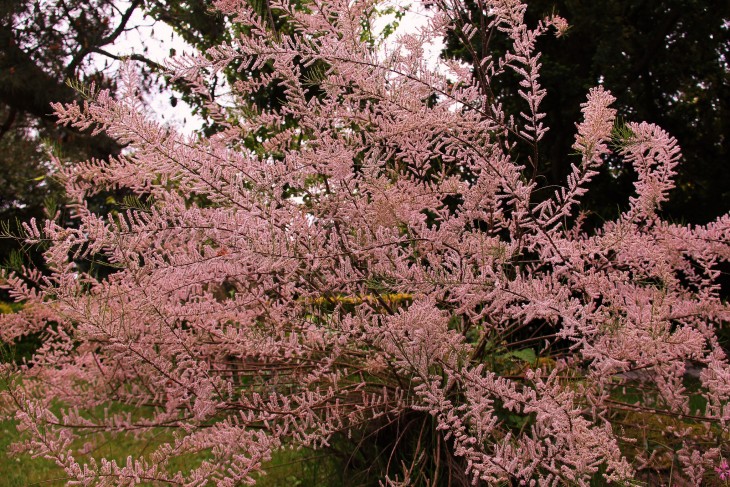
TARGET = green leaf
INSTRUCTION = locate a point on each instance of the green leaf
(526, 355)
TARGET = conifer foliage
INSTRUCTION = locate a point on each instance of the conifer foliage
(386, 255)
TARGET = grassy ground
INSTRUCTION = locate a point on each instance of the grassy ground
(23, 471)
(286, 469)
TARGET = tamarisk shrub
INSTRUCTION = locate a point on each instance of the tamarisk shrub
(386, 268)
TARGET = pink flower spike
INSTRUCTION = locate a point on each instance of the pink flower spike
(723, 470)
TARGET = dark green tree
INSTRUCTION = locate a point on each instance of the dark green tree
(45, 47)
(666, 62)
(47, 50)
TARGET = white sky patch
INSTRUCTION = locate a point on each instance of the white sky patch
(154, 40)
(415, 18)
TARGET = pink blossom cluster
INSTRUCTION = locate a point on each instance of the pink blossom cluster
(723, 471)
(385, 248)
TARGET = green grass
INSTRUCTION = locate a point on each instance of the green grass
(288, 468)
(22, 470)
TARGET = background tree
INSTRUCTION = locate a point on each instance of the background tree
(664, 61)
(44, 46)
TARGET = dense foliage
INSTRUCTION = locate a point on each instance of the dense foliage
(385, 265)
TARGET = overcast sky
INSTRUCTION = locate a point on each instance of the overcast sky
(154, 40)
